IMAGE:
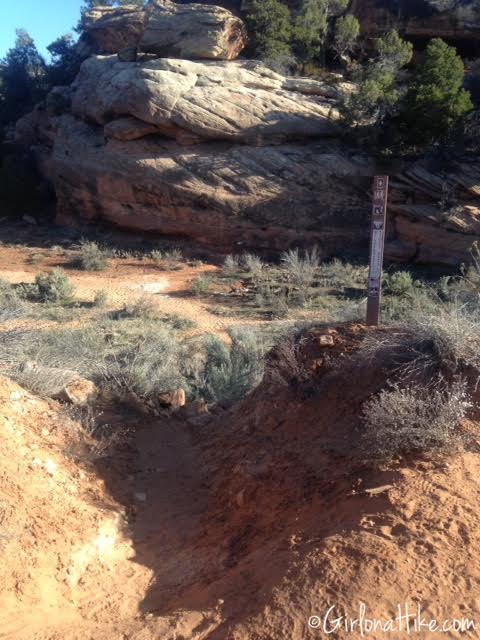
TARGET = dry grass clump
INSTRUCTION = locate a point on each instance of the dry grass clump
(50, 287)
(134, 354)
(231, 266)
(446, 343)
(340, 275)
(301, 270)
(400, 283)
(41, 380)
(11, 304)
(100, 299)
(433, 367)
(142, 307)
(413, 419)
(253, 265)
(89, 439)
(273, 297)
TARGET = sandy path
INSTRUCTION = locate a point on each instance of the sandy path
(126, 280)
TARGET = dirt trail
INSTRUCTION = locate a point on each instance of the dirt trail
(80, 547)
(237, 529)
(126, 280)
(168, 521)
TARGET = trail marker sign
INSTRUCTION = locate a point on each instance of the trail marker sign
(377, 243)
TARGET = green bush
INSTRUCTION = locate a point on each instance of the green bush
(347, 31)
(270, 28)
(378, 93)
(201, 285)
(436, 101)
(232, 371)
(400, 283)
(91, 257)
(53, 287)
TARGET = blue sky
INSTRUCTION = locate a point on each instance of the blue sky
(45, 20)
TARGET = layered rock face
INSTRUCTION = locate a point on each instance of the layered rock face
(450, 19)
(250, 179)
(164, 28)
(434, 213)
(235, 156)
(225, 196)
(240, 101)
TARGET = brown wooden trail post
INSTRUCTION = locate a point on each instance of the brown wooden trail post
(377, 243)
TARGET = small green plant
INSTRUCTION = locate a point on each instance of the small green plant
(253, 265)
(231, 266)
(232, 371)
(53, 287)
(400, 283)
(100, 299)
(201, 285)
(169, 260)
(91, 257)
(142, 307)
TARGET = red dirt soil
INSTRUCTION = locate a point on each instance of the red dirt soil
(237, 528)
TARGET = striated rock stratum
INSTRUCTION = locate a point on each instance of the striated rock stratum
(241, 101)
(457, 20)
(232, 154)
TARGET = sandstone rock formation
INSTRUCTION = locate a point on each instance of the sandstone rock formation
(223, 195)
(233, 154)
(192, 31)
(435, 212)
(240, 101)
(111, 29)
(106, 164)
(236, 156)
(450, 19)
(164, 28)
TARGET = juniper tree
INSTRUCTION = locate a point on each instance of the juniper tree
(270, 27)
(436, 100)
